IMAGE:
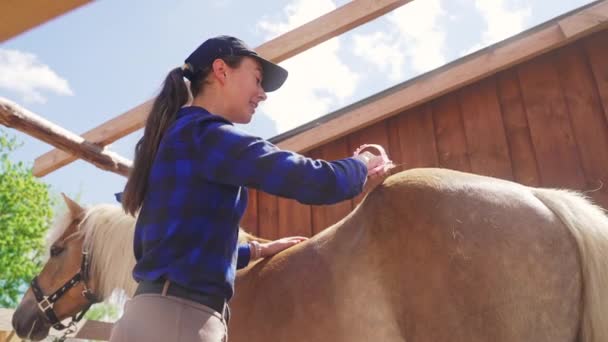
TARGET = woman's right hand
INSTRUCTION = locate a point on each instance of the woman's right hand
(374, 164)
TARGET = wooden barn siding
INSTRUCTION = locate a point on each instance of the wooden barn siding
(541, 123)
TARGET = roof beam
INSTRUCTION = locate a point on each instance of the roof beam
(287, 45)
(484, 63)
(14, 116)
(18, 16)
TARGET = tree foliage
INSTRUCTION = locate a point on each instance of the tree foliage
(25, 215)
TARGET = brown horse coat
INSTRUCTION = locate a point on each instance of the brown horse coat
(430, 255)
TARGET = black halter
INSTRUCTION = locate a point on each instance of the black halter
(46, 303)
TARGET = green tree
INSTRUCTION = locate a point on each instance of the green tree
(25, 216)
(105, 312)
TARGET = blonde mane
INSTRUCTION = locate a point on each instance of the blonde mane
(108, 237)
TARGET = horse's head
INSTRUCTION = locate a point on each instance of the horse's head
(61, 289)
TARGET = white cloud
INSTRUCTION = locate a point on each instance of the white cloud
(379, 49)
(318, 78)
(502, 21)
(297, 13)
(422, 33)
(23, 73)
(416, 36)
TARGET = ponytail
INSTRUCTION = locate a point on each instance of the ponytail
(172, 97)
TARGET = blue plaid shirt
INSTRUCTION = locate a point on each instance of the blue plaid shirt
(187, 227)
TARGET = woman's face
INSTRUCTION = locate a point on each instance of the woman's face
(243, 90)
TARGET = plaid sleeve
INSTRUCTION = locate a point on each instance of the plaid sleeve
(231, 156)
(243, 256)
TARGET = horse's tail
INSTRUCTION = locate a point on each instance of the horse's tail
(588, 224)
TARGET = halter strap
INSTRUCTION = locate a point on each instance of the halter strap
(46, 303)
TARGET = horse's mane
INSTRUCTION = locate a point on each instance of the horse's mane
(108, 236)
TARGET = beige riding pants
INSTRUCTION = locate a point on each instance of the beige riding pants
(154, 317)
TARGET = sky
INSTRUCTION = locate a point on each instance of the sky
(100, 60)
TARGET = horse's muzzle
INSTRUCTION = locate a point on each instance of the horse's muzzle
(29, 323)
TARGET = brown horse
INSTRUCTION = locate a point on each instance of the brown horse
(429, 255)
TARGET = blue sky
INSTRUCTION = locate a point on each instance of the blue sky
(105, 58)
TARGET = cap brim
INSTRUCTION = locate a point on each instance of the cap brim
(273, 75)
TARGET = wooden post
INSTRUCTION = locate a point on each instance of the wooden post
(19, 16)
(14, 116)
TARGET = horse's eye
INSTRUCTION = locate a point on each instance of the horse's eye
(56, 250)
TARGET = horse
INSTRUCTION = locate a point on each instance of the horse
(428, 255)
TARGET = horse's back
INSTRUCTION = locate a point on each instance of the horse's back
(462, 257)
(429, 255)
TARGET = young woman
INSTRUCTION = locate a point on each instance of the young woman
(189, 184)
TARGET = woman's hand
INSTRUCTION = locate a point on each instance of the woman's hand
(274, 247)
(378, 166)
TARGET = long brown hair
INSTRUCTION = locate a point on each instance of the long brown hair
(172, 96)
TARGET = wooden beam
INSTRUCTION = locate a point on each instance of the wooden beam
(287, 45)
(325, 27)
(489, 61)
(585, 22)
(103, 135)
(14, 116)
(18, 16)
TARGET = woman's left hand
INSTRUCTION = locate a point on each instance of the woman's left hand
(274, 247)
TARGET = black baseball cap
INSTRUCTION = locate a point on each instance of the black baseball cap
(213, 48)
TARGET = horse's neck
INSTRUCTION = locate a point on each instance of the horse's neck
(322, 254)
(280, 281)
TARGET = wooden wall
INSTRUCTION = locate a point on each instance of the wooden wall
(541, 123)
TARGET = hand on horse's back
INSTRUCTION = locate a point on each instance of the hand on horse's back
(374, 180)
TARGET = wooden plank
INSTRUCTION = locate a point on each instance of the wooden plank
(449, 130)
(486, 62)
(579, 23)
(294, 218)
(484, 130)
(17, 117)
(375, 134)
(7, 336)
(249, 222)
(556, 151)
(326, 215)
(596, 47)
(523, 157)
(394, 143)
(268, 216)
(6, 316)
(332, 24)
(417, 138)
(119, 126)
(587, 117)
(22, 15)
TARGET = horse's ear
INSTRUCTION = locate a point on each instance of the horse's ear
(75, 208)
